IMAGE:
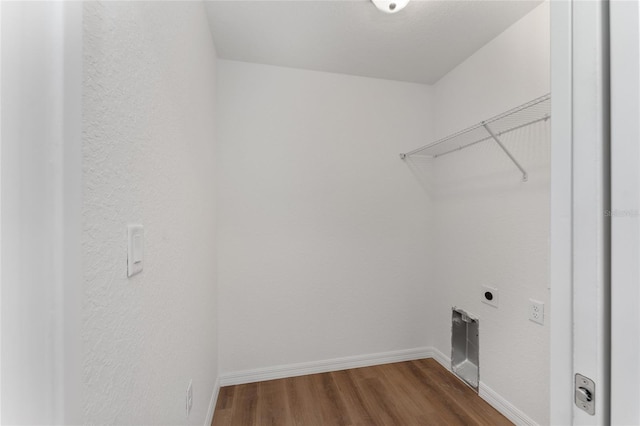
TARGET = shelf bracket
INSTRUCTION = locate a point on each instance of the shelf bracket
(525, 176)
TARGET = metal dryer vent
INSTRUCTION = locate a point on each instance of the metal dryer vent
(465, 347)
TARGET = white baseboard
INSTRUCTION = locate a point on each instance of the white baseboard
(505, 407)
(494, 399)
(442, 359)
(282, 371)
(324, 366)
(212, 403)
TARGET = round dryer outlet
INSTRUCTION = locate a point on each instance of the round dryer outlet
(489, 295)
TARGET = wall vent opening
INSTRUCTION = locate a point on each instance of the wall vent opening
(465, 347)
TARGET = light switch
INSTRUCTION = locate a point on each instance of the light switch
(135, 253)
(137, 248)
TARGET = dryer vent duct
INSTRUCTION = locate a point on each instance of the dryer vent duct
(465, 347)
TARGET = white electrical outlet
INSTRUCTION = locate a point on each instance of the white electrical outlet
(189, 397)
(536, 311)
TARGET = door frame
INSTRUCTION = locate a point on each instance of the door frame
(625, 212)
(560, 274)
(580, 196)
(41, 211)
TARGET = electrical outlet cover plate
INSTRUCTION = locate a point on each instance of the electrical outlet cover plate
(489, 295)
(536, 311)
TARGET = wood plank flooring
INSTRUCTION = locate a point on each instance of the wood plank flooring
(408, 393)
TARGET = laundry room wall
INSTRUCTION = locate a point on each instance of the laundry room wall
(323, 230)
(148, 158)
(490, 227)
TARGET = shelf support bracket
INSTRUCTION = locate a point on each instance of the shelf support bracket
(525, 176)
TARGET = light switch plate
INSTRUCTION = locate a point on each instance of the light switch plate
(135, 254)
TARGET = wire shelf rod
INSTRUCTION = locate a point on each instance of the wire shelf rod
(525, 176)
(506, 116)
(545, 118)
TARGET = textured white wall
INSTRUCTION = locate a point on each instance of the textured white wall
(148, 157)
(491, 228)
(323, 231)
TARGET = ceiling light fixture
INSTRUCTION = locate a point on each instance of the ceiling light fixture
(390, 6)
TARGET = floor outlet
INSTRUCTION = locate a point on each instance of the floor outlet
(189, 397)
(536, 311)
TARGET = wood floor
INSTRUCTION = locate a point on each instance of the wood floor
(406, 393)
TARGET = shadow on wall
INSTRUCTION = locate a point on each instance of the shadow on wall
(484, 168)
(422, 168)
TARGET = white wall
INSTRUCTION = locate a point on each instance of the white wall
(330, 247)
(323, 231)
(148, 158)
(491, 228)
(510, 70)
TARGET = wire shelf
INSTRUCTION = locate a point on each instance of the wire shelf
(531, 112)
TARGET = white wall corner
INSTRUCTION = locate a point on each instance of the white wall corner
(501, 404)
(212, 403)
(494, 399)
(442, 359)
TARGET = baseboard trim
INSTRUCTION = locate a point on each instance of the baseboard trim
(503, 406)
(212, 403)
(324, 366)
(494, 399)
(442, 359)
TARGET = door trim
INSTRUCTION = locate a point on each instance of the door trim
(625, 212)
(561, 271)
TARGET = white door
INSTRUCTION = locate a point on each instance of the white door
(591, 231)
(41, 82)
(580, 233)
(625, 209)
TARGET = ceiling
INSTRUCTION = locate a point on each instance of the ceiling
(421, 43)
